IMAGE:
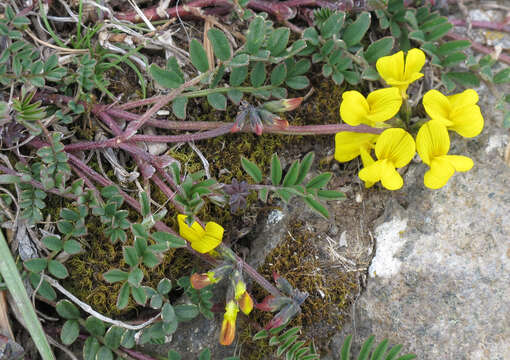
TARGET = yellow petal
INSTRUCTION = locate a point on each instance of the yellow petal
(239, 290)
(384, 104)
(246, 303)
(432, 140)
(459, 162)
(415, 60)
(191, 233)
(440, 172)
(391, 68)
(465, 98)
(210, 240)
(214, 230)
(348, 144)
(437, 105)
(354, 108)
(395, 145)
(228, 332)
(372, 173)
(390, 178)
(367, 160)
(467, 121)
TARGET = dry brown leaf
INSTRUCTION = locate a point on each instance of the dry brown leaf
(208, 45)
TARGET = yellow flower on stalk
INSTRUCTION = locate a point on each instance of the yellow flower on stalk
(433, 144)
(228, 327)
(457, 112)
(399, 73)
(394, 149)
(243, 298)
(379, 106)
(367, 160)
(201, 240)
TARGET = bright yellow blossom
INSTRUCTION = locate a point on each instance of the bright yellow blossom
(228, 327)
(394, 149)
(379, 106)
(457, 112)
(433, 144)
(367, 160)
(201, 240)
(398, 73)
(243, 298)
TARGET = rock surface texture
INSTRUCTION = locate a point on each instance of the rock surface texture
(440, 280)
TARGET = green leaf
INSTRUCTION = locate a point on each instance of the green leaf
(380, 350)
(292, 175)
(139, 295)
(150, 260)
(319, 181)
(53, 243)
(502, 76)
(130, 255)
(9, 179)
(166, 78)
(365, 348)
(263, 193)
(276, 170)
(451, 47)
(65, 227)
(278, 40)
(173, 65)
(95, 326)
(45, 289)
(407, 357)
(330, 194)
(317, 206)
(179, 107)
(69, 332)
(67, 310)
(380, 48)
(345, 352)
(198, 56)
(113, 337)
(135, 277)
(278, 74)
(220, 44)
(123, 297)
(72, 247)
(332, 25)
(305, 166)
(355, 31)
(255, 35)
(90, 348)
(252, 169)
(115, 275)
(186, 312)
(170, 239)
(240, 60)
(260, 335)
(393, 353)
(439, 32)
(467, 79)
(168, 313)
(173, 355)
(453, 59)
(57, 269)
(217, 101)
(164, 286)
(297, 82)
(238, 75)
(235, 96)
(104, 354)
(205, 355)
(258, 74)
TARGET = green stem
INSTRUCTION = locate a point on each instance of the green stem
(14, 283)
(205, 92)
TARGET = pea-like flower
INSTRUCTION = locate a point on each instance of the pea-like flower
(457, 112)
(399, 73)
(394, 149)
(201, 240)
(228, 327)
(243, 298)
(379, 106)
(433, 144)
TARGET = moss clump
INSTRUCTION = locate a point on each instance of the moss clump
(330, 290)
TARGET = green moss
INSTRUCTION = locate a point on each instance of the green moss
(330, 291)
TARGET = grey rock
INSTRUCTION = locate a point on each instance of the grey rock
(440, 279)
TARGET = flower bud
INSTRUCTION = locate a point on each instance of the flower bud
(245, 303)
(228, 327)
(283, 104)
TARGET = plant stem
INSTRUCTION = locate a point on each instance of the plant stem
(480, 48)
(483, 25)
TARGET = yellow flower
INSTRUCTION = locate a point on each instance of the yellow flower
(433, 144)
(243, 298)
(367, 160)
(394, 149)
(457, 112)
(348, 144)
(202, 240)
(379, 106)
(399, 74)
(228, 327)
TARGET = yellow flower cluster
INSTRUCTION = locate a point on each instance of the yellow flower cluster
(394, 147)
